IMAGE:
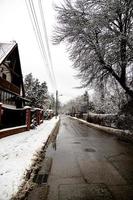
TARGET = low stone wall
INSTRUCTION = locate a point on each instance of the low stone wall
(12, 131)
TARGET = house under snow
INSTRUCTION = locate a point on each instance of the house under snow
(11, 81)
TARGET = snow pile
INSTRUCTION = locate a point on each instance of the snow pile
(125, 135)
(16, 155)
(109, 120)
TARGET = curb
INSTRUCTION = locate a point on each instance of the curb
(54, 131)
(124, 135)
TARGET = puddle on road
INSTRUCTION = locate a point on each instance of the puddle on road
(53, 142)
(54, 145)
(89, 150)
(76, 142)
(64, 124)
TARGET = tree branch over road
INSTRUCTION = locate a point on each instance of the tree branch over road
(99, 38)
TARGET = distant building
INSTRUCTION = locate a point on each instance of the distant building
(11, 80)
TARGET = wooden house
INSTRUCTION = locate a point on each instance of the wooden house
(11, 79)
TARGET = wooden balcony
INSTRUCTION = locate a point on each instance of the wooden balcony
(9, 86)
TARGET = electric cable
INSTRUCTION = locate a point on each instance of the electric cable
(46, 38)
(35, 24)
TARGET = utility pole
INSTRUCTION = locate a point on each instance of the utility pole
(86, 100)
(56, 104)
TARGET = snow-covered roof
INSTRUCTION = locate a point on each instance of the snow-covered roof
(5, 49)
(49, 110)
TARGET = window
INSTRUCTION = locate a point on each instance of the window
(0, 95)
(4, 76)
(7, 98)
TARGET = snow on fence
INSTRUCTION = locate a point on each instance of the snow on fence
(14, 120)
(12, 117)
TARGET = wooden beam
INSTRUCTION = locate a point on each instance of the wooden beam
(12, 71)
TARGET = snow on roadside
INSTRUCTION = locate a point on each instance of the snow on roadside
(16, 155)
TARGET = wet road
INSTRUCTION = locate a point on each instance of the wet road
(89, 165)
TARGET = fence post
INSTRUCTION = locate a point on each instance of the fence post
(38, 116)
(0, 111)
(42, 115)
(28, 116)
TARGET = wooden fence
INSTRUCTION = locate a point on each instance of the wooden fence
(14, 121)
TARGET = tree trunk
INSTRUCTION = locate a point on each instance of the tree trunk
(121, 82)
(127, 89)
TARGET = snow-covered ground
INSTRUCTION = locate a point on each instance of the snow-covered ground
(17, 153)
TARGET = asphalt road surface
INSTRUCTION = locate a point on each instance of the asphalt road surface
(87, 164)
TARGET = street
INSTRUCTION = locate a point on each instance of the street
(88, 164)
(82, 163)
(66, 100)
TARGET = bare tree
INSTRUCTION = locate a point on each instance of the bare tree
(99, 38)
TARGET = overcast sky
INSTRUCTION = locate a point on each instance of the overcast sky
(16, 25)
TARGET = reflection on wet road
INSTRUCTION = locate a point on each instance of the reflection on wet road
(89, 165)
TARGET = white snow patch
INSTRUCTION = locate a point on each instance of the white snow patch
(17, 127)
(16, 155)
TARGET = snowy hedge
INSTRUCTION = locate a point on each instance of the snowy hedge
(102, 119)
(110, 120)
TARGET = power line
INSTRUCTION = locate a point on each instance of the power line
(35, 24)
(40, 36)
(46, 38)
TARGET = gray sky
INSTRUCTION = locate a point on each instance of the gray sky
(16, 25)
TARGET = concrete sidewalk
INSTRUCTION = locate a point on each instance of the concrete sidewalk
(39, 187)
(26, 155)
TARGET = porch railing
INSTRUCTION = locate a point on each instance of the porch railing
(9, 86)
